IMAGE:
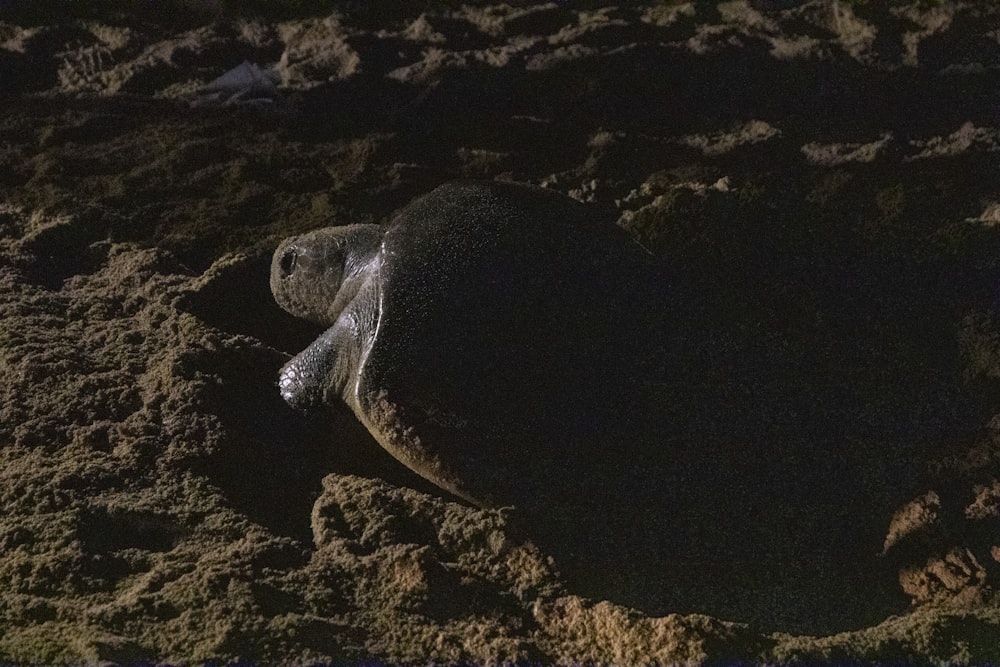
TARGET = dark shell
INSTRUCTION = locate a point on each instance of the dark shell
(510, 317)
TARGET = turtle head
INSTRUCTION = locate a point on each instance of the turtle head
(313, 276)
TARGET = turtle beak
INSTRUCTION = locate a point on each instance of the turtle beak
(306, 272)
(317, 260)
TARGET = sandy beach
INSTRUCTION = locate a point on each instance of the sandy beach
(816, 183)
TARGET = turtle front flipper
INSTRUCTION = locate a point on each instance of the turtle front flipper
(325, 369)
(302, 381)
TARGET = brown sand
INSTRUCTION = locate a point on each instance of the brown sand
(824, 175)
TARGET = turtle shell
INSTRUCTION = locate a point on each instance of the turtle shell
(507, 321)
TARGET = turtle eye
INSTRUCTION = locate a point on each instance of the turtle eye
(288, 261)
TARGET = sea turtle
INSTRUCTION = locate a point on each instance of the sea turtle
(481, 316)
(516, 348)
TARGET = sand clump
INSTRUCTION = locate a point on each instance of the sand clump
(816, 181)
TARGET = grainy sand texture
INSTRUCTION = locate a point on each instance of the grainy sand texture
(817, 181)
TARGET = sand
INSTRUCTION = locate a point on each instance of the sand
(819, 178)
